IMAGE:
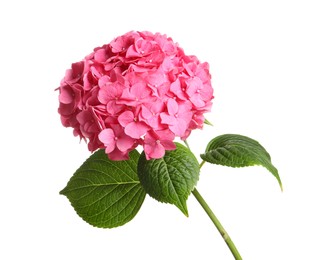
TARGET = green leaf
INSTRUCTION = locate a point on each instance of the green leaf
(106, 193)
(207, 122)
(238, 151)
(172, 178)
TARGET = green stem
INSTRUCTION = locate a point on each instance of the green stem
(201, 164)
(187, 145)
(218, 225)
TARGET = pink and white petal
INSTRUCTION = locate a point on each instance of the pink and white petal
(184, 107)
(179, 128)
(206, 92)
(66, 95)
(165, 134)
(172, 106)
(100, 55)
(138, 90)
(188, 69)
(113, 108)
(176, 88)
(154, 123)
(153, 150)
(167, 119)
(158, 152)
(145, 112)
(127, 98)
(136, 129)
(107, 137)
(157, 78)
(194, 85)
(124, 143)
(197, 100)
(117, 155)
(104, 95)
(103, 81)
(187, 117)
(117, 44)
(157, 106)
(117, 128)
(126, 118)
(132, 52)
(168, 145)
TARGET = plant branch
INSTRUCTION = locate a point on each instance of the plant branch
(218, 225)
(187, 145)
(201, 164)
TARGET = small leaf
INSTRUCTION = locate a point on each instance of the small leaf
(238, 151)
(207, 122)
(106, 193)
(172, 178)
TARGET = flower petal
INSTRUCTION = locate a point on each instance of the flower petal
(107, 137)
(126, 118)
(136, 129)
(66, 95)
(172, 106)
(124, 143)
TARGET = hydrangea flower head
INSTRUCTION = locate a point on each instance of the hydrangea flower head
(140, 89)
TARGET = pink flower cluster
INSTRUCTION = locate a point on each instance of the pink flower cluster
(140, 89)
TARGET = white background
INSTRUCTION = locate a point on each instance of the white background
(267, 61)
